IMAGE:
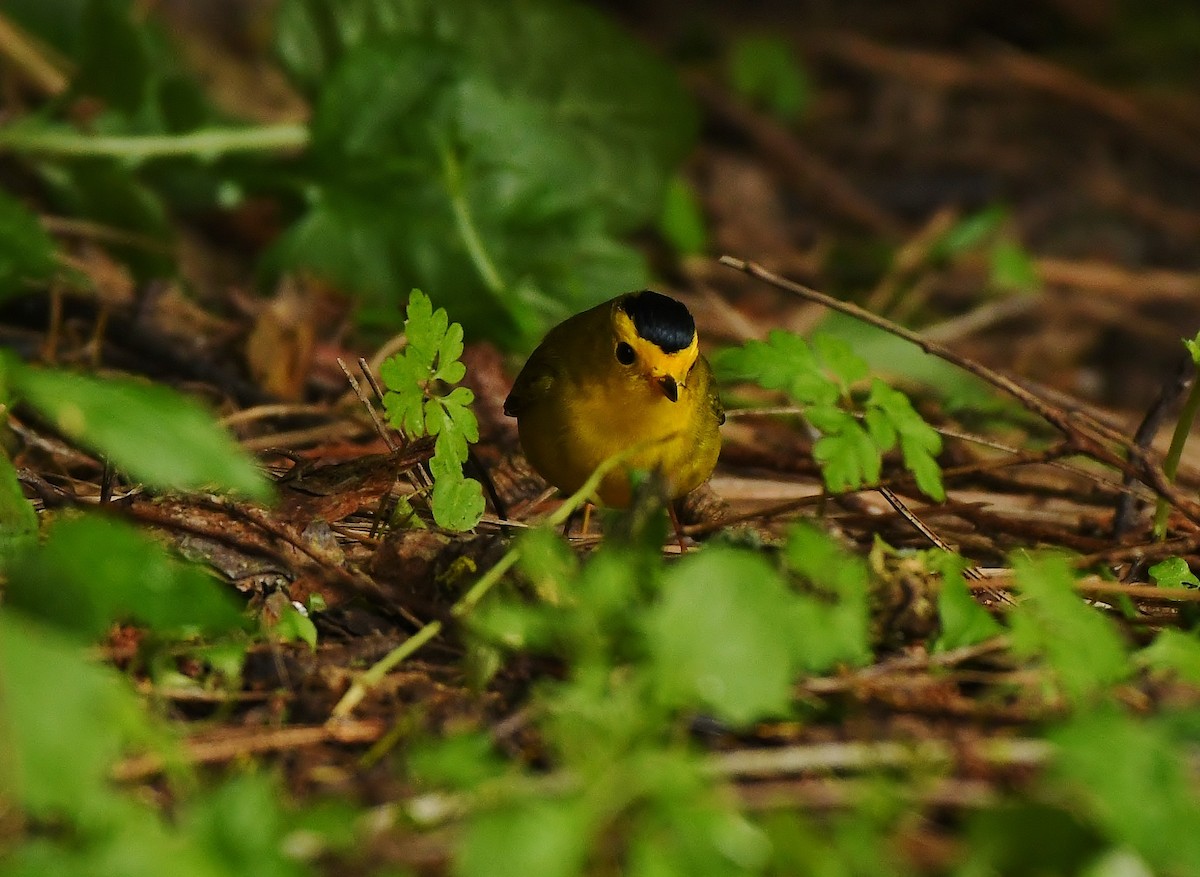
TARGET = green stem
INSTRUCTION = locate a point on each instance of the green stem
(374, 675)
(466, 226)
(205, 143)
(1183, 426)
(468, 601)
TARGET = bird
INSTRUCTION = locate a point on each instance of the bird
(624, 376)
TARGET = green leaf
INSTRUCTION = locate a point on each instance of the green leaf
(831, 627)
(1013, 268)
(26, 250)
(765, 70)
(838, 356)
(1130, 777)
(480, 172)
(462, 761)
(1174, 572)
(91, 571)
(546, 838)
(848, 458)
(65, 722)
(18, 520)
(963, 621)
(458, 504)
(717, 638)
(620, 112)
(294, 626)
(430, 359)
(1021, 837)
(548, 562)
(919, 442)
(1079, 645)
(451, 419)
(968, 233)
(687, 828)
(115, 63)
(243, 829)
(1193, 348)
(157, 436)
(682, 220)
(783, 362)
(1172, 652)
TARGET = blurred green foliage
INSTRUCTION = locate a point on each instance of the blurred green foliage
(765, 70)
(492, 153)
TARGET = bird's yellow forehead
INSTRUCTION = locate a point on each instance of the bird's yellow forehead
(651, 358)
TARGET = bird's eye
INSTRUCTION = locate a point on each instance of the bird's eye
(625, 354)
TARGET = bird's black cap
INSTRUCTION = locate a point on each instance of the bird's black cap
(660, 320)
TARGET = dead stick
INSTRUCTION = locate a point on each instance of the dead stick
(227, 746)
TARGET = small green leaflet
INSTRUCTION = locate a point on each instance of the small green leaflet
(1174, 572)
(819, 378)
(416, 406)
(964, 622)
(765, 70)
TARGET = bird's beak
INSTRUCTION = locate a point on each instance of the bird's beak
(670, 389)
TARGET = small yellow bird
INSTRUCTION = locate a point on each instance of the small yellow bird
(627, 372)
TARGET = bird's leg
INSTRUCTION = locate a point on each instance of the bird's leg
(678, 527)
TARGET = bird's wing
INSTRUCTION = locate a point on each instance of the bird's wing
(533, 384)
(710, 386)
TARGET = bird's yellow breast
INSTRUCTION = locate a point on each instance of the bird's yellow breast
(576, 407)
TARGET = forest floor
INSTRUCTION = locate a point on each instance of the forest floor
(1041, 140)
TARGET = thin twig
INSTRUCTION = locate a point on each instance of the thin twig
(226, 745)
(383, 431)
(1086, 434)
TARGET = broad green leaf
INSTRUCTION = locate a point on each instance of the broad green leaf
(483, 173)
(1028, 837)
(1174, 572)
(1173, 651)
(832, 625)
(26, 250)
(462, 761)
(18, 520)
(919, 442)
(620, 112)
(1080, 646)
(65, 721)
(963, 621)
(154, 434)
(720, 639)
(686, 828)
(92, 571)
(243, 828)
(1130, 777)
(542, 837)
